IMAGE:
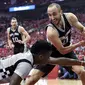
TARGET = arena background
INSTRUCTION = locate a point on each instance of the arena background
(35, 21)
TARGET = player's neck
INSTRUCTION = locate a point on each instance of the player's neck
(61, 24)
(13, 27)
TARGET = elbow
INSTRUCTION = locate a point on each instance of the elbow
(63, 52)
(29, 38)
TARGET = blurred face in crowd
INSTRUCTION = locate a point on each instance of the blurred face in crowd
(14, 23)
(54, 14)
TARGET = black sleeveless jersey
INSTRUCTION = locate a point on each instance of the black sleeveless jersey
(15, 35)
(64, 35)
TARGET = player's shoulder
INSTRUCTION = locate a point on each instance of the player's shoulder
(20, 27)
(50, 30)
(69, 15)
(21, 56)
(27, 54)
(8, 29)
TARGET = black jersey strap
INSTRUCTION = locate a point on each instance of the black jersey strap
(66, 21)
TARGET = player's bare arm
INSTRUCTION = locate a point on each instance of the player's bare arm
(65, 61)
(15, 79)
(24, 32)
(10, 44)
(53, 37)
(73, 20)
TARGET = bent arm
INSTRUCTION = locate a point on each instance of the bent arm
(53, 37)
(27, 36)
(65, 61)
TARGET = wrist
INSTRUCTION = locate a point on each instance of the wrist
(78, 44)
(22, 42)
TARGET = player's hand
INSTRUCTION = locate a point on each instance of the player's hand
(19, 41)
(11, 46)
(82, 43)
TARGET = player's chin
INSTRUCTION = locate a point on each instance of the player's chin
(55, 22)
(43, 63)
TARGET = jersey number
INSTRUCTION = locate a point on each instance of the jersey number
(15, 39)
(65, 40)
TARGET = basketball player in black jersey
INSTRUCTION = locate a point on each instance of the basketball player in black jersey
(58, 33)
(17, 36)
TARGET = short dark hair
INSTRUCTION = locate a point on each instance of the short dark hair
(13, 18)
(55, 4)
(41, 46)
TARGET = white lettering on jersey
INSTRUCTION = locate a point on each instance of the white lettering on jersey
(65, 39)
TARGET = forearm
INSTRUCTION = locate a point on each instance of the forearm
(10, 42)
(15, 80)
(66, 61)
(32, 80)
(27, 39)
(70, 48)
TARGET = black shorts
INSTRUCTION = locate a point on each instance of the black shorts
(48, 68)
(18, 49)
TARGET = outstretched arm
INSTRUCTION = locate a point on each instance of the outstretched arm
(65, 61)
(15, 79)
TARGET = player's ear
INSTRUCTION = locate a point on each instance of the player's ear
(40, 57)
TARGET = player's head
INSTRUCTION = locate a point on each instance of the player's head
(41, 51)
(14, 22)
(54, 12)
